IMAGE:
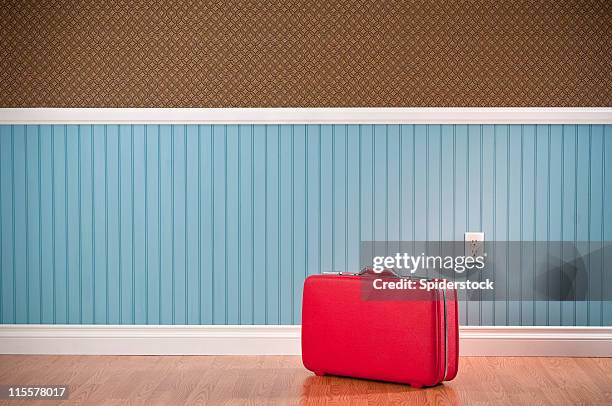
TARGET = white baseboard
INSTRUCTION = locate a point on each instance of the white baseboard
(149, 340)
(280, 340)
(536, 341)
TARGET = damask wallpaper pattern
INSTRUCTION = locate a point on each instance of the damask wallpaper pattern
(190, 53)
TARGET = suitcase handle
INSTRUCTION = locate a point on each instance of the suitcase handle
(388, 272)
(369, 271)
(366, 270)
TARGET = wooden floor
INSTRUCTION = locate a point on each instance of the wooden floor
(270, 380)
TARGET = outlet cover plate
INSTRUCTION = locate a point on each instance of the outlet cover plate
(474, 243)
(472, 236)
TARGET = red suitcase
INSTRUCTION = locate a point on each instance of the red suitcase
(407, 339)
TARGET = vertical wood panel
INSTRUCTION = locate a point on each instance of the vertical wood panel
(482, 148)
(232, 224)
(138, 236)
(568, 201)
(113, 203)
(596, 224)
(607, 220)
(72, 225)
(461, 196)
(166, 243)
(260, 269)
(47, 228)
(6, 221)
(33, 267)
(582, 213)
(20, 249)
(527, 220)
(178, 182)
(153, 232)
(205, 230)
(299, 212)
(220, 224)
(515, 195)
(393, 182)
(99, 193)
(326, 199)
(86, 288)
(285, 219)
(192, 220)
(555, 208)
(272, 227)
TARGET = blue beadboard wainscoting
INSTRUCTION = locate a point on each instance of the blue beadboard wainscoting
(220, 224)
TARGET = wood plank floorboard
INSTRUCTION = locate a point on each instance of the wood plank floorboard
(282, 380)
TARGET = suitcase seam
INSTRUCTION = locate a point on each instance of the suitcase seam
(445, 336)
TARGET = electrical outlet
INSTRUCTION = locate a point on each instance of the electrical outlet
(474, 244)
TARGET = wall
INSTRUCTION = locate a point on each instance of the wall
(307, 53)
(220, 224)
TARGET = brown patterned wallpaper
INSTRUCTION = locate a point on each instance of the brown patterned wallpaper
(190, 53)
